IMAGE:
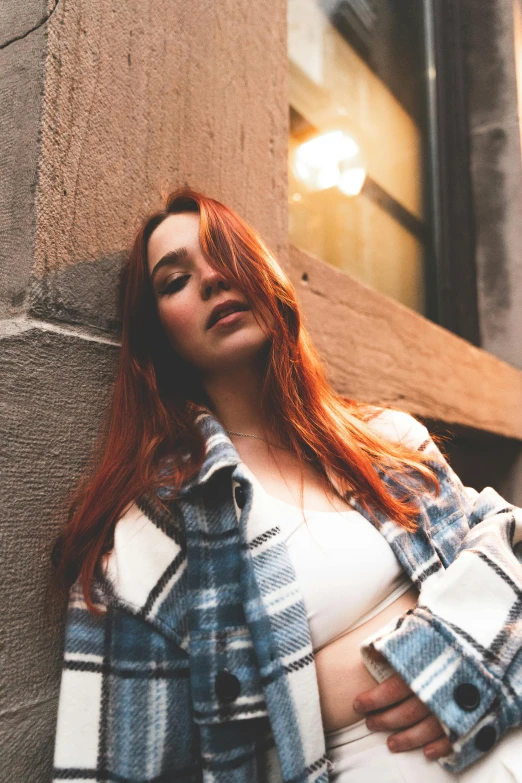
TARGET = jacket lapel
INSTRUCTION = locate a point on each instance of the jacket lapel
(277, 621)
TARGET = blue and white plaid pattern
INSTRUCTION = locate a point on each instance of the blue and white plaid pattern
(209, 588)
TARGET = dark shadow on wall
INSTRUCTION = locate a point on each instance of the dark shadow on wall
(480, 459)
(84, 293)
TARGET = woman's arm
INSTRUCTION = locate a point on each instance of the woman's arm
(460, 648)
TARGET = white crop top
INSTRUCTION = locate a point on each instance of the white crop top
(347, 572)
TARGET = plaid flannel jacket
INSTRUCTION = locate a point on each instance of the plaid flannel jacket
(201, 667)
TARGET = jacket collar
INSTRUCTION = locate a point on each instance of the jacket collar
(220, 453)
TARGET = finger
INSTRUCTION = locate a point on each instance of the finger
(424, 732)
(441, 747)
(388, 692)
(401, 716)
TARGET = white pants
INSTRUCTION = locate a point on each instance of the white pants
(359, 755)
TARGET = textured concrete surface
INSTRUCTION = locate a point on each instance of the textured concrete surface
(53, 389)
(496, 169)
(82, 293)
(20, 20)
(22, 55)
(143, 96)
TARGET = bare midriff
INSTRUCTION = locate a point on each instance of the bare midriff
(341, 673)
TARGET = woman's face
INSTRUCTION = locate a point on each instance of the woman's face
(187, 289)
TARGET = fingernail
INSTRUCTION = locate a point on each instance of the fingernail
(430, 754)
(392, 744)
(357, 705)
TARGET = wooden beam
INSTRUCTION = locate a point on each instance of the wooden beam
(377, 350)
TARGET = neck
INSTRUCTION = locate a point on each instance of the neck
(235, 397)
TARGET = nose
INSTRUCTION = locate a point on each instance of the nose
(211, 281)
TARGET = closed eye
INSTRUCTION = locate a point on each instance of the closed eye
(176, 284)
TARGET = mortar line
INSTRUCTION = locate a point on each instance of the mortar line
(11, 326)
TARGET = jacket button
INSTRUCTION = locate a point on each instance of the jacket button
(228, 686)
(485, 738)
(467, 696)
(239, 494)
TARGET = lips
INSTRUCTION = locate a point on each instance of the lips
(225, 308)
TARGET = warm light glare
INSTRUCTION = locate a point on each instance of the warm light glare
(351, 182)
(333, 158)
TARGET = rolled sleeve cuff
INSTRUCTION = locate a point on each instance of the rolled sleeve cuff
(455, 686)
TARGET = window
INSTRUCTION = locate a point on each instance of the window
(366, 143)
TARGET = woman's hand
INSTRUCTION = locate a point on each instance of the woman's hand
(393, 705)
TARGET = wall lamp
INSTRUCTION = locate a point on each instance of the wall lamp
(332, 159)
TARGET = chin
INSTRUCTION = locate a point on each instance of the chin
(244, 350)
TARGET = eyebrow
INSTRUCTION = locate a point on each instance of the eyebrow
(171, 258)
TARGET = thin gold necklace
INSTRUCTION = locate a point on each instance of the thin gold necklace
(257, 437)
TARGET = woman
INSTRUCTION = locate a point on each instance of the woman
(248, 553)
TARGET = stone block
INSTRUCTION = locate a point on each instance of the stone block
(54, 391)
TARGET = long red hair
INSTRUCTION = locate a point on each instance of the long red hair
(156, 398)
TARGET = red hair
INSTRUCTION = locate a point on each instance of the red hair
(156, 398)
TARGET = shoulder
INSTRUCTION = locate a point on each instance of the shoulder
(145, 545)
(399, 427)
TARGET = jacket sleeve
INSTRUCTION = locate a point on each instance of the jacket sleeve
(460, 648)
(123, 700)
(80, 701)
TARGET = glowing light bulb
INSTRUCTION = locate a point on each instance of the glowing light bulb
(351, 180)
(331, 159)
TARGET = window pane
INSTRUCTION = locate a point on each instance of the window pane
(359, 188)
